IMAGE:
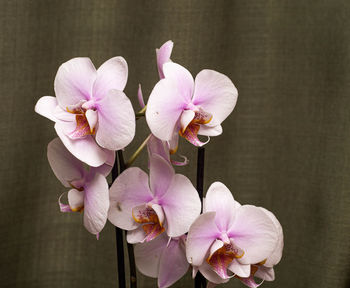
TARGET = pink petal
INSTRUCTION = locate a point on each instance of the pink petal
(76, 200)
(181, 205)
(220, 200)
(64, 165)
(210, 131)
(201, 235)
(112, 75)
(116, 121)
(91, 117)
(46, 107)
(164, 107)
(130, 189)
(163, 56)
(250, 282)
(215, 93)
(210, 275)
(242, 270)
(265, 273)
(161, 174)
(255, 233)
(96, 204)
(174, 142)
(276, 256)
(85, 149)
(137, 235)
(173, 263)
(183, 79)
(106, 168)
(158, 147)
(63, 115)
(140, 97)
(147, 255)
(63, 207)
(186, 118)
(74, 81)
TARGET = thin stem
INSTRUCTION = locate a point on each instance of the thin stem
(141, 113)
(119, 238)
(132, 266)
(137, 152)
(200, 281)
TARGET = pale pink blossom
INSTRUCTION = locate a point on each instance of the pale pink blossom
(88, 189)
(91, 113)
(228, 237)
(168, 202)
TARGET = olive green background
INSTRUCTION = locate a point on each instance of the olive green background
(286, 146)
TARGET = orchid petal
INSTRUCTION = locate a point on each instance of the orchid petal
(210, 131)
(210, 275)
(174, 142)
(96, 204)
(111, 75)
(161, 174)
(147, 255)
(63, 207)
(250, 282)
(158, 147)
(173, 264)
(74, 81)
(220, 200)
(190, 134)
(163, 56)
(254, 232)
(181, 205)
(64, 165)
(201, 235)
(265, 273)
(46, 106)
(116, 121)
(164, 108)
(76, 200)
(184, 162)
(85, 149)
(186, 118)
(130, 189)
(107, 167)
(140, 97)
(242, 270)
(91, 117)
(215, 93)
(137, 235)
(63, 115)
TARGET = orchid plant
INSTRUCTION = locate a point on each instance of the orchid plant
(171, 228)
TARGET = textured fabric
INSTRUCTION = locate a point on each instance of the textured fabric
(285, 147)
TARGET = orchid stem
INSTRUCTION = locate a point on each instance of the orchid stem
(132, 266)
(137, 152)
(141, 113)
(119, 237)
(200, 281)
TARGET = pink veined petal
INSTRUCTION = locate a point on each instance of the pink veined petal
(116, 121)
(91, 117)
(135, 236)
(63, 164)
(46, 107)
(210, 275)
(276, 255)
(147, 255)
(181, 205)
(255, 233)
(85, 149)
(173, 263)
(76, 200)
(250, 282)
(112, 75)
(201, 235)
(163, 56)
(164, 107)
(210, 131)
(74, 81)
(129, 190)
(265, 273)
(242, 270)
(63, 207)
(186, 118)
(96, 204)
(161, 174)
(190, 134)
(140, 97)
(215, 93)
(158, 147)
(160, 213)
(184, 162)
(183, 79)
(220, 200)
(106, 168)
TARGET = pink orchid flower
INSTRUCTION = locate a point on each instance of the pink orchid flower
(179, 105)
(89, 189)
(162, 258)
(264, 270)
(168, 204)
(229, 236)
(91, 113)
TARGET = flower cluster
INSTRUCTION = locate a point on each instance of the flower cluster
(160, 210)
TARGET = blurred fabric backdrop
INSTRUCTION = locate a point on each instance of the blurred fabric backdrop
(285, 147)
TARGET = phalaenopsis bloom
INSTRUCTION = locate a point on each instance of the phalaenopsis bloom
(91, 112)
(169, 203)
(230, 239)
(88, 188)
